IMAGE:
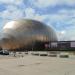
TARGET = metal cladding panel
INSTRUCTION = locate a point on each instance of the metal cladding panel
(23, 33)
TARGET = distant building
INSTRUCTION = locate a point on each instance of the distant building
(60, 46)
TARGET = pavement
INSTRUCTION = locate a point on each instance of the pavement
(36, 65)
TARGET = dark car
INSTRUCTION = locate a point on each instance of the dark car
(4, 52)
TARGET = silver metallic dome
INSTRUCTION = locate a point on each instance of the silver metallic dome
(24, 33)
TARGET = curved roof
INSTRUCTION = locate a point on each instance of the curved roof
(26, 31)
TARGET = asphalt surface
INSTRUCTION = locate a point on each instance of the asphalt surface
(36, 65)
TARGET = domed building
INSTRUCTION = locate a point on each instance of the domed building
(26, 34)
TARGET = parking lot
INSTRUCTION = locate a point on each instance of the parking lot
(37, 65)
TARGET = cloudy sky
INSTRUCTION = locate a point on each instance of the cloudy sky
(59, 14)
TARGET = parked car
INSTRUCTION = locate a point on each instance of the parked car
(4, 52)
